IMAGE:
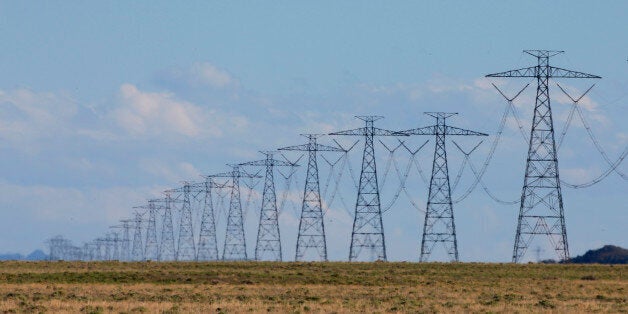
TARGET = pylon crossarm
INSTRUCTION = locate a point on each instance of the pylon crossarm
(564, 73)
(355, 132)
(428, 130)
(262, 163)
(534, 72)
(523, 72)
(451, 130)
(364, 132)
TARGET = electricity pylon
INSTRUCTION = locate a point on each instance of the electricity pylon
(439, 225)
(99, 242)
(368, 229)
(151, 246)
(207, 241)
(311, 236)
(541, 210)
(137, 253)
(115, 240)
(235, 242)
(166, 248)
(118, 248)
(126, 239)
(186, 251)
(268, 246)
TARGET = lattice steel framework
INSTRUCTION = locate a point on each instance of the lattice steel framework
(186, 250)
(268, 246)
(151, 246)
(166, 248)
(207, 241)
(311, 236)
(126, 239)
(439, 225)
(541, 211)
(368, 229)
(137, 253)
(115, 240)
(235, 241)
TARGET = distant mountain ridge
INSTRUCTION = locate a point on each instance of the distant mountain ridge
(37, 255)
(608, 254)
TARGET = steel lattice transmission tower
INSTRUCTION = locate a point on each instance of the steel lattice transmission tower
(541, 210)
(186, 250)
(119, 252)
(137, 253)
(108, 247)
(235, 242)
(115, 240)
(166, 248)
(368, 229)
(439, 225)
(207, 240)
(268, 246)
(126, 239)
(311, 236)
(151, 246)
(99, 247)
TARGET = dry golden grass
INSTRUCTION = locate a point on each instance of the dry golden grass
(106, 287)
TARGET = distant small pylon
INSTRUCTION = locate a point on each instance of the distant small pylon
(138, 252)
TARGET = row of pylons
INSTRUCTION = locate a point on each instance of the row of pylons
(541, 205)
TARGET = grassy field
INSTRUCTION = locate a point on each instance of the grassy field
(103, 287)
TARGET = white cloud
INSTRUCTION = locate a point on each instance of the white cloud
(28, 115)
(144, 113)
(203, 74)
(156, 113)
(206, 73)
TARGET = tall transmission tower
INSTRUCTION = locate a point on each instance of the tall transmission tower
(268, 246)
(541, 211)
(151, 246)
(311, 235)
(109, 248)
(126, 239)
(166, 248)
(116, 246)
(235, 242)
(368, 229)
(100, 242)
(439, 225)
(118, 250)
(56, 247)
(186, 251)
(207, 241)
(137, 253)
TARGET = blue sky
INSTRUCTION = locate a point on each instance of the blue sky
(104, 105)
